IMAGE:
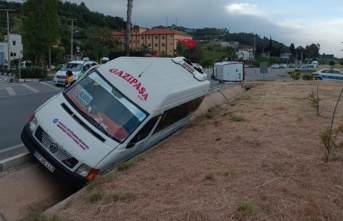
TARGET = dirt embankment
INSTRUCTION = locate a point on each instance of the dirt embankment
(259, 157)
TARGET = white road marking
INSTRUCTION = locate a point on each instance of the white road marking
(3, 79)
(11, 148)
(49, 85)
(30, 88)
(10, 91)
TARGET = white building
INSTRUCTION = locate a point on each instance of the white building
(245, 55)
(14, 46)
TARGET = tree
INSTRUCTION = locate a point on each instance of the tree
(312, 51)
(128, 27)
(292, 49)
(40, 28)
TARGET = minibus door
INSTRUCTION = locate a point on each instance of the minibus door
(139, 140)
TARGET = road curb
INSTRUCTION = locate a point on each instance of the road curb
(16, 160)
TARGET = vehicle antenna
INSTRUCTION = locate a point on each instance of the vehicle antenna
(145, 70)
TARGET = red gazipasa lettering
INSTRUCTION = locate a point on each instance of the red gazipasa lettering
(142, 94)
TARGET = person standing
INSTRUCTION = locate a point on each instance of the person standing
(69, 78)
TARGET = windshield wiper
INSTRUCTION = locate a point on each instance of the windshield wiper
(97, 124)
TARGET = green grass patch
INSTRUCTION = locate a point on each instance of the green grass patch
(122, 197)
(37, 216)
(236, 118)
(95, 197)
(246, 210)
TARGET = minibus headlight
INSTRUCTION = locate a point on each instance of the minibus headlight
(86, 171)
(32, 123)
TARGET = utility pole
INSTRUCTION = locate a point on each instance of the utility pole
(72, 39)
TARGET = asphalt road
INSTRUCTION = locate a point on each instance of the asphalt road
(17, 102)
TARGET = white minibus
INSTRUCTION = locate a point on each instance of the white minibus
(112, 113)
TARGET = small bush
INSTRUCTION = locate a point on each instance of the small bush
(308, 77)
(245, 210)
(32, 72)
(314, 101)
(95, 197)
(236, 118)
(209, 177)
(295, 74)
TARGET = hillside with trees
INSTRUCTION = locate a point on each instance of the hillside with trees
(92, 35)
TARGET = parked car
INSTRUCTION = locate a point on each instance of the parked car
(283, 65)
(275, 66)
(291, 65)
(76, 67)
(328, 74)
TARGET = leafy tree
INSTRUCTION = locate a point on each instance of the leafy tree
(102, 37)
(97, 51)
(300, 53)
(40, 28)
(196, 54)
(332, 63)
(231, 53)
(312, 51)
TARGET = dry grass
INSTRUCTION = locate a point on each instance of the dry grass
(268, 166)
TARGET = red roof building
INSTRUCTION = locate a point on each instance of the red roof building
(160, 41)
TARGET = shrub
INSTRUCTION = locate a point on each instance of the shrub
(236, 118)
(308, 77)
(246, 210)
(295, 74)
(95, 197)
(32, 72)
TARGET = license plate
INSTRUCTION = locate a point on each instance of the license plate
(61, 81)
(41, 159)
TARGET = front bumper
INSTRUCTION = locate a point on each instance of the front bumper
(60, 171)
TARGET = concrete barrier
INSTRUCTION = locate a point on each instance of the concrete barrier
(219, 97)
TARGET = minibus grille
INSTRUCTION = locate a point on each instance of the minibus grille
(54, 148)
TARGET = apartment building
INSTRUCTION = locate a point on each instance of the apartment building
(11, 48)
(160, 41)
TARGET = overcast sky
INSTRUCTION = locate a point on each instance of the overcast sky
(301, 22)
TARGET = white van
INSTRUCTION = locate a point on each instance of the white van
(114, 112)
(228, 71)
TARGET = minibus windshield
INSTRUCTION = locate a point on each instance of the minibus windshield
(105, 107)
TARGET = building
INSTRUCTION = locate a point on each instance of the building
(246, 55)
(161, 41)
(14, 46)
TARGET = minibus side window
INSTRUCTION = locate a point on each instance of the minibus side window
(144, 132)
(177, 113)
